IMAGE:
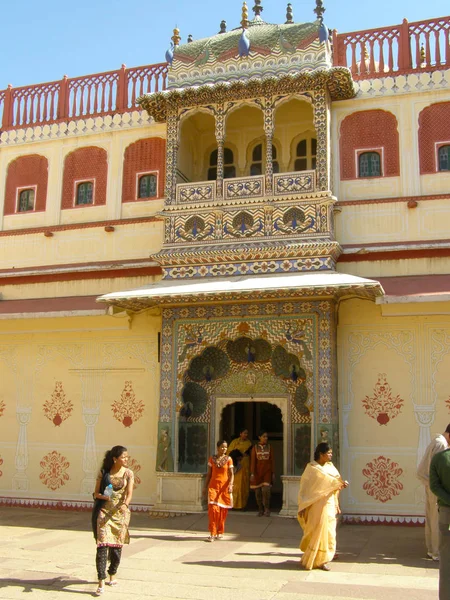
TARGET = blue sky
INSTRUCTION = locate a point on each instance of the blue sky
(42, 41)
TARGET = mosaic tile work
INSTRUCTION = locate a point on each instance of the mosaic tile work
(262, 349)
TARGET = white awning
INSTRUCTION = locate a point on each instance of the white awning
(247, 287)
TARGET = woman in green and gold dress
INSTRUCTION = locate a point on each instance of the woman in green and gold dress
(111, 514)
(242, 476)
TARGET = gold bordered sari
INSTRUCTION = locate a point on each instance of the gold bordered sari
(317, 509)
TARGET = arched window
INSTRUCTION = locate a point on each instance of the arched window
(229, 170)
(257, 164)
(85, 193)
(369, 164)
(305, 154)
(147, 186)
(26, 200)
(444, 158)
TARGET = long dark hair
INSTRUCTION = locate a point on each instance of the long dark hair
(322, 448)
(236, 455)
(220, 442)
(110, 455)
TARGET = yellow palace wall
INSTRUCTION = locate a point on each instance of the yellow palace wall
(71, 389)
(394, 393)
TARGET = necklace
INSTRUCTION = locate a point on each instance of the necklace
(220, 461)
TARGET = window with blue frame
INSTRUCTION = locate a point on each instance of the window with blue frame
(85, 193)
(444, 158)
(369, 164)
(148, 186)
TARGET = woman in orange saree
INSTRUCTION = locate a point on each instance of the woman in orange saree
(219, 490)
(318, 505)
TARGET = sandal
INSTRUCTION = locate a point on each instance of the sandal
(210, 538)
(112, 583)
(99, 591)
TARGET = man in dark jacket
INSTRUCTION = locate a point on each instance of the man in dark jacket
(440, 486)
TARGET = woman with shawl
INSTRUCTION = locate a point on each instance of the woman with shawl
(318, 505)
(111, 513)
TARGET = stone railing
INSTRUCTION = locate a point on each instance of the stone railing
(79, 97)
(301, 182)
(244, 187)
(199, 191)
(393, 50)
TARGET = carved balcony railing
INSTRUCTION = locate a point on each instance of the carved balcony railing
(79, 97)
(409, 47)
(300, 182)
(199, 191)
(243, 187)
(237, 188)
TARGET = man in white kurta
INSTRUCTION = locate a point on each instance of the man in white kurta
(439, 443)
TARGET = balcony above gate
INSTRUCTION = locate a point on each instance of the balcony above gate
(298, 183)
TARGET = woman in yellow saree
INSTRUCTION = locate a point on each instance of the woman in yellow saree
(318, 505)
(242, 475)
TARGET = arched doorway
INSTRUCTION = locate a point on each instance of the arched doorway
(257, 414)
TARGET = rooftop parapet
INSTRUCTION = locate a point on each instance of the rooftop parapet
(422, 46)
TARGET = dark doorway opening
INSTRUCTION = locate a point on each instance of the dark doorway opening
(256, 416)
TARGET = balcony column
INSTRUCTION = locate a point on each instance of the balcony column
(322, 126)
(267, 105)
(219, 114)
(172, 156)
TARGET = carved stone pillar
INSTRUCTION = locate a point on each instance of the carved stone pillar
(171, 157)
(425, 418)
(91, 395)
(322, 126)
(220, 138)
(268, 109)
(20, 479)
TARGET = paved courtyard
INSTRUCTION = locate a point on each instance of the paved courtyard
(50, 554)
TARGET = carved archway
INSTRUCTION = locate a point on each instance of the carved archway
(282, 402)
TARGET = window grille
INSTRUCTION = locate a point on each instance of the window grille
(147, 186)
(26, 200)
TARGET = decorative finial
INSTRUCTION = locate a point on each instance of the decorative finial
(257, 9)
(422, 54)
(223, 26)
(319, 10)
(244, 21)
(190, 39)
(176, 37)
(289, 15)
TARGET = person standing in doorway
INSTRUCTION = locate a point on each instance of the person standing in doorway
(262, 473)
(219, 490)
(440, 486)
(111, 514)
(242, 476)
(318, 505)
(438, 444)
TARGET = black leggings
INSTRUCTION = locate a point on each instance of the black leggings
(105, 553)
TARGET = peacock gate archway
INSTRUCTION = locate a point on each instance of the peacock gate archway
(214, 355)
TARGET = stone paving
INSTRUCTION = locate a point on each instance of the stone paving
(50, 554)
